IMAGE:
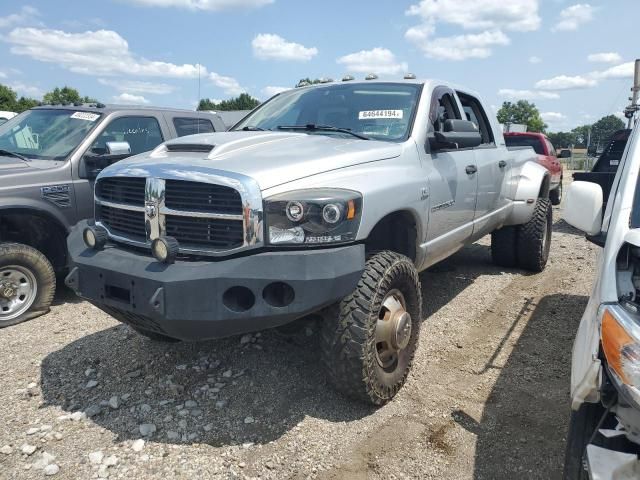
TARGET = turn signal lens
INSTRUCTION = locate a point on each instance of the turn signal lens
(621, 350)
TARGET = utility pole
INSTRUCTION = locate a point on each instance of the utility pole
(631, 110)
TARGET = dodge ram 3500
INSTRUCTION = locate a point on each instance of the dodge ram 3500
(328, 199)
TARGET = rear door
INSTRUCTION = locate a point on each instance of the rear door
(492, 164)
(453, 182)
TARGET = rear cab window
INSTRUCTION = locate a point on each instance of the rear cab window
(191, 126)
(525, 141)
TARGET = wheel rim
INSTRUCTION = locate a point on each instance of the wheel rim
(393, 330)
(18, 289)
(546, 237)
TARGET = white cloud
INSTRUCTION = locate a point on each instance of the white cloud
(490, 17)
(211, 5)
(565, 82)
(268, 46)
(624, 70)
(571, 18)
(229, 84)
(129, 99)
(513, 94)
(378, 60)
(609, 57)
(516, 15)
(533, 59)
(3, 75)
(553, 117)
(461, 47)
(27, 90)
(101, 52)
(27, 15)
(134, 86)
(271, 91)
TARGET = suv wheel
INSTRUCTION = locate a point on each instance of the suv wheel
(534, 238)
(369, 340)
(27, 283)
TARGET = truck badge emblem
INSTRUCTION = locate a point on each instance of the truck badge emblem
(150, 209)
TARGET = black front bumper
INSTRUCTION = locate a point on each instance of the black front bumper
(197, 300)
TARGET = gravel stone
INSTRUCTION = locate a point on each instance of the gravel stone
(114, 402)
(137, 445)
(96, 457)
(91, 384)
(28, 449)
(147, 429)
(51, 469)
(6, 450)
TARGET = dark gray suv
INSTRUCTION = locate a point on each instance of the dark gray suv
(49, 158)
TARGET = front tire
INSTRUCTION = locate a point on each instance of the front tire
(504, 247)
(368, 341)
(581, 426)
(27, 283)
(534, 238)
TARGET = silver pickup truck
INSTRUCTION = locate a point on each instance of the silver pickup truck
(324, 199)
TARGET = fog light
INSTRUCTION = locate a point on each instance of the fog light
(95, 237)
(165, 249)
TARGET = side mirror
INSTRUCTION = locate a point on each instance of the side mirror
(565, 153)
(456, 134)
(118, 148)
(583, 207)
(96, 162)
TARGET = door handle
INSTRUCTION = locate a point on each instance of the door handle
(502, 163)
(471, 169)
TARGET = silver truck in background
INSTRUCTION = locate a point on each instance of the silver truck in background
(325, 199)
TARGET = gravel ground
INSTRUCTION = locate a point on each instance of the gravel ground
(82, 396)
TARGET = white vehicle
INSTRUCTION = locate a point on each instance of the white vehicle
(604, 435)
(4, 116)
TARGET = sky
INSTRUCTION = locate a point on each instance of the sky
(573, 60)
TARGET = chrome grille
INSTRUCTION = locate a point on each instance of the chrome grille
(202, 197)
(206, 218)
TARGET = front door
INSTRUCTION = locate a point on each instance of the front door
(453, 184)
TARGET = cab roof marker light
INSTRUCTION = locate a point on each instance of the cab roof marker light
(410, 76)
(348, 78)
(371, 76)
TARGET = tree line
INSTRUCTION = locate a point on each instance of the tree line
(526, 113)
(10, 101)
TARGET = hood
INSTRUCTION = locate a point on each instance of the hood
(270, 158)
(9, 165)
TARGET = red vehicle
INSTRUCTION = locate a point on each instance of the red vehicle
(547, 157)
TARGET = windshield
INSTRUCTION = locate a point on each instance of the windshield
(46, 134)
(381, 111)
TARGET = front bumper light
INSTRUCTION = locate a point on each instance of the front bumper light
(313, 217)
(620, 337)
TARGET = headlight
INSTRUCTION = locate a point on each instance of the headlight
(317, 216)
(620, 336)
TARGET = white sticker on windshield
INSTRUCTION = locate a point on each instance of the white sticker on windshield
(89, 117)
(373, 114)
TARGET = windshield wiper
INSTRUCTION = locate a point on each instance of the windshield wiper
(9, 153)
(310, 127)
(251, 128)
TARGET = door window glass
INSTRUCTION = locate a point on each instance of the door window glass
(192, 126)
(142, 134)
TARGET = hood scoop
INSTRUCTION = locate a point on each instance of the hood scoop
(190, 147)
